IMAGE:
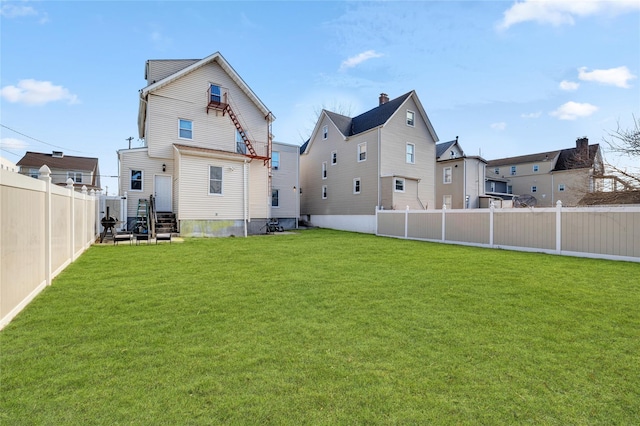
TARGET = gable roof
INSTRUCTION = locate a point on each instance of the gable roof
(563, 159)
(66, 162)
(217, 58)
(371, 119)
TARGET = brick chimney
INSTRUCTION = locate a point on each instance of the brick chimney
(582, 146)
(384, 98)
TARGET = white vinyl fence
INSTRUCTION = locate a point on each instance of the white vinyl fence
(43, 228)
(599, 232)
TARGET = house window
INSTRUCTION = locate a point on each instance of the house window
(75, 176)
(325, 132)
(398, 184)
(324, 170)
(446, 201)
(136, 180)
(275, 160)
(513, 170)
(185, 130)
(509, 189)
(410, 118)
(275, 202)
(496, 170)
(492, 186)
(561, 187)
(446, 175)
(362, 151)
(535, 168)
(356, 186)
(324, 192)
(241, 147)
(411, 153)
(215, 180)
(34, 173)
(334, 158)
(215, 94)
(534, 188)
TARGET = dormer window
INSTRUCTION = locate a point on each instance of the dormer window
(57, 154)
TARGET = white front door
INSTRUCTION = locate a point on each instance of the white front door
(163, 193)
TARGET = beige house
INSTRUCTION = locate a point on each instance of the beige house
(459, 178)
(207, 149)
(285, 193)
(383, 158)
(544, 178)
(83, 171)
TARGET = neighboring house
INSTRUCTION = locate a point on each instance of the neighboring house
(566, 175)
(459, 179)
(83, 171)
(207, 149)
(383, 158)
(285, 185)
(8, 165)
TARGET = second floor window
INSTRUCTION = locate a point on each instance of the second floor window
(324, 192)
(185, 129)
(411, 153)
(275, 160)
(513, 170)
(324, 170)
(356, 186)
(334, 158)
(241, 147)
(136, 180)
(561, 187)
(534, 189)
(496, 170)
(535, 168)
(362, 151)
(446, 175)
(75, 176)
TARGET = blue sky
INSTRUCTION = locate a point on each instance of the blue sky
(509, 78)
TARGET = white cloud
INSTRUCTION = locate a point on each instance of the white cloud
(499, 126)
(561, 12)
(531, 115)
(13, 143)
(11, 10)
(572, 110)
(569, 85)
(614, 76)
(359, 58)
(33, 92)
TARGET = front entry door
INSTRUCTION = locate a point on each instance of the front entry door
(163, 193)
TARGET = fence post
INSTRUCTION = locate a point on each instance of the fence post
(123, 208)
(406, 223)
(558, 226)
(72, 219)
(492, 207)
(45, 175)
(84, 217)
(444, 220)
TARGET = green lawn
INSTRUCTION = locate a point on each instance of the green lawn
(326, 327)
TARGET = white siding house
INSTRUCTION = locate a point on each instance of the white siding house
(206, 157)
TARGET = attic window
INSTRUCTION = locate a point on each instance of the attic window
(215, 94)
(410, 118)
(57, 154)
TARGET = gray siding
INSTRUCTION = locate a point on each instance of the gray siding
(285, 180)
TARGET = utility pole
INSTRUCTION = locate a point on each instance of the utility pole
(130, 138)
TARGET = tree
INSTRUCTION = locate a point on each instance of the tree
(626, 141)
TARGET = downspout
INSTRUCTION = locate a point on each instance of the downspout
(464, 186)
(379, 171)
(552, 192)
(297, 195)
(244, 196)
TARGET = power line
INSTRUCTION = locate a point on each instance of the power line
(43, 142)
